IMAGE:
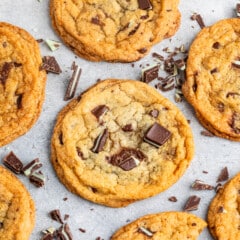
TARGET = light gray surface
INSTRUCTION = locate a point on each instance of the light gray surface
(211, 154)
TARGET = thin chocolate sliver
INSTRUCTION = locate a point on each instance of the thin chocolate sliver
(192, 203)
(50, 65)
(199, 19)
(64, 233)
(158, 56)
(150, 74)
(172, 199)
(5, 70)
(99, 111)
(100, 142)
(199, 185)
(73, 82)
(144, 4)
(12, 162)
(207, 133)
(223, 176)
(56, 215)
(82, 230)
(31, 167)
(19, 101)
(37, 179)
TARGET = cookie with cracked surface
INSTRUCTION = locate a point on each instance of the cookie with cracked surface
(121, 142)
(115, 31)
(213, 70)
(22, 84)
(17, 210)
(165, 226)
(224, 211)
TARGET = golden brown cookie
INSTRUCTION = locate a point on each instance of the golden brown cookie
(213, 71)
(17, 210)
(164, 226)
(116, 31)
(121, 142)
(22, 84)
(224, 211)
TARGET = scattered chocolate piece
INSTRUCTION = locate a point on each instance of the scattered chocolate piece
(12, 162)
(66, 216)
(40, 40)
(199, 19)
(82, 230)
(235, 123)
(50, 65)
(149, 74)
(218, 187)
(5, 70)
(144, 4)
(56, 215)
(238, 9)
(37, 179)
(216, 45)
(73, 82)
(154, 113)
(64, 233)
(236, 64)
(192, 203)
(65, 199)
(127, 128)
(134, 30)
(100, 142)
(145, 231)
(207, 133)
(99, 111)
(205, 172)
(172, 199)
(157, 135)
(48, 236)
(200, 185)
(98, 238)
(158, 56)
(223, 176)
(52, 44)
(31, 167)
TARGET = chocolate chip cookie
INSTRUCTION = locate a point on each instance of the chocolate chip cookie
(166, 225)
(120, 142)
(224, 211)
(114, 30)
(22, 83)
(213, 73)
(17, 210)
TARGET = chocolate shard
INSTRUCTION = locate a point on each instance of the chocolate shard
(31, 167)
(154, 113)
(149, 74)
(37, 179)
(50, 65)
(157, 135)
(64, 233)
(127, 128)
(134, 30)
(158, 56)
(192, 203)
(73, 82)
(82, 230)
(56, 215)
(238, 9)
(223, 176)
(5, 70)
(48, 236)
(199, 19)
(100, 142)
(200, 185)
(145, 231)
(144, 4)
(172, 199)
(207, 133)
(99, 111)
(12, 162)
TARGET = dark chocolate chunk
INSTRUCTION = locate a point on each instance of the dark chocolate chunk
(64, 233)
(144, 4)
(134, 30)
(199, 185)
(80, 153)
(199, 19)
(232, 94)
(235, 123)
(61, 138)
(172, 199)
(127, 128)
(17, 64)
(238, 9)
(12, 162)
(223, 176)
(99, 111)
(73, 82)
(157, 135)
(100, 142)
(215, 70)
(19, 101)
(207, 133)
(142, 50)
(145, 231)
(216, 45)
(144, 17)
(158, 56)
(154, 113)
(96, 20)
(192, 203)
(31, 167)
(5, 70)
(82, 230)
(56, 215)
(150, 74)
(1, 225)
(65, 199)
(37, 179)
(50, 65)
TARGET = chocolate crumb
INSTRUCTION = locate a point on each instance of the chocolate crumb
(205, 172)
(82, 230)
(4, 44)
(65, 199)
(192, 203)
(12, 162)
(223, 176)
(207, 133)
(56, 215)
(40, 40)
(172, 199)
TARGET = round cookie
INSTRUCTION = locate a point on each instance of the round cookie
(105, 146)
(213, 71)
(17, 210)
(115, 31)
(223, 213)
(22, 84)
(164, 226)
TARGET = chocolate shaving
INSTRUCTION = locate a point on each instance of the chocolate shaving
(31, 167)
(158, 56)
(134, 30)
(56, 215)
(127, 128)
(64, 233)
(150, 74)
(144, 4)
(192, 203)
(199, 19)
(50, 65)
(100, 142)
(12, 162)
(99, 111)
(37, 179)
(154, 113)
(223, 176)
(207, 133)
(172, 199)
(5, 70)
(82, 230)
(199, 185)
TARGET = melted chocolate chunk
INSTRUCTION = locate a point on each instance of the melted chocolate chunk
(154, 113)
(192, 203)
(216, 45)
(19, 101)
(99, 111)
(80, 153)
(150, 74)
(50, 65)
(134, 30)
(12, 162)
(56, 215)
(144, 4)
(5, 70)
(127, 128)
(215, 70)
(157, 135)
(100, 142)
(223, 176)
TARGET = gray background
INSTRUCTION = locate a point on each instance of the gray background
(211, 154)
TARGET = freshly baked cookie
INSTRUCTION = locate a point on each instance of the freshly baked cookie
(213, 73)
(224, 211)
(121, 142)
(22, 84)
(17, 210)
(116, 31)
(164, 226)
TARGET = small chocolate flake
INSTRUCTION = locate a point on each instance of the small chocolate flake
(65, 199)
(145, 231)
(218, 187)
(223, 176)
(158, 56)
(154, 113)
(207, 133)
(40, 40)
(144, 4)
(100, 142)
(64, 233)
(157, 135)
(19, 101)
(180, 64)
(12, 162)
(199, 185)
(134, 30)
(37, 179)
(215, 70)
(216, 45)
(50, 65)
(127, 128)
(194, 224)
(82, 230)
(149, 74)
(66, 216)
(56, 215)
(199, 19)
(31, 167)
(192, 203)
(99, 111)
(238, 9)
(80, 153)
(5, 70)
(144, 17)
(142, 50)
(172, 199)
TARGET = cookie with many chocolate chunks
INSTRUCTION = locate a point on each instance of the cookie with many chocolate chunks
(223, 213)
(166, 225)
(97, 159)
(17, 210)
(213, 70)
(22, 83)
(116, 31)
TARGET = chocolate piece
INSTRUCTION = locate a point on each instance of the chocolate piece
(215, 70)
(19, 101)
(154, 113)
(64, 233)
(66, 216)
(82, 230)
(73, 82)
(12, 162)
(37, 179)
(216, 45)
(207, 133)
(199, 185)
(127, 128)
(56, 215)
(223, 176)
(238, 9)
(95, 20)
(205, 172)
(40, 40)
(218, 187)
(61, 138)
(149, 74)
(199, 19)
(235, 123)
(50, 65)
(4, 72)
(180, 64)
(145, 231)
(4, 44)
(142, 50)
(99, 111)
(192, 203)
(65, 199)
(177, 98)
(158, 56)
(172, 199)
(100, 142)
(80, 154)
(31, 167)
(17, 64)
(48, 236)
(157, 135)
(53, 45)
(144, 4)
(134, 30)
